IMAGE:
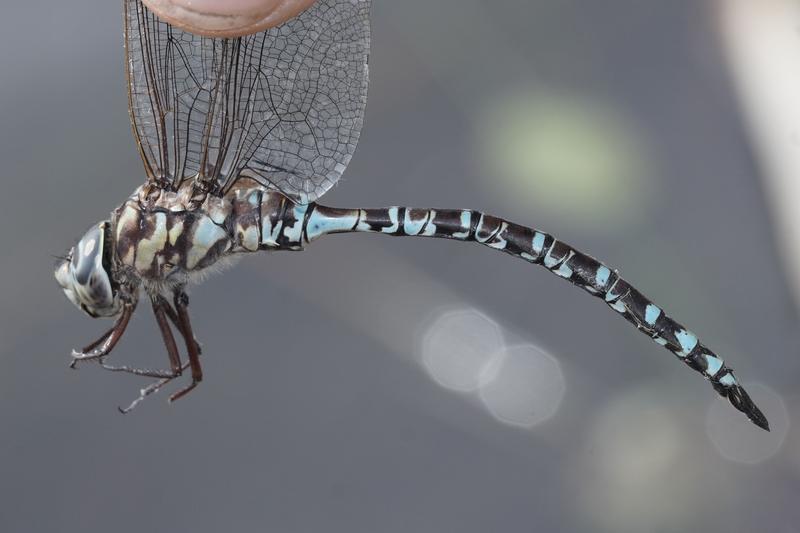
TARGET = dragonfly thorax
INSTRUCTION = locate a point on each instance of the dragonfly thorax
(165, 240)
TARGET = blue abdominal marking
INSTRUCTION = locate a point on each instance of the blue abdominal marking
(498, 243)
(320, 224)
(688, 341)
(610, 294)
(550, 261)
(713, 364)
(651, 314)
(565, 271)
(537, 245)
(601, 276)
(410, 226)
(392, 212)
(293, 232)
(429, 229)
(466, 220)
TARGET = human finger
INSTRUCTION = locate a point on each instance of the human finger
(226, 18)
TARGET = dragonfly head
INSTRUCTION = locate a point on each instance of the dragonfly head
(84, 274)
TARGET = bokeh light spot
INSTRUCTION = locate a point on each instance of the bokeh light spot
(458, 348)
(637, 472)
(635, 438)
(576, 157)
(737, 439)
(523, 386)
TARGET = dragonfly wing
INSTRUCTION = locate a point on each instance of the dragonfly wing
(284, 106)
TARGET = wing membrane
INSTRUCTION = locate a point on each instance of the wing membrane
(284, 106)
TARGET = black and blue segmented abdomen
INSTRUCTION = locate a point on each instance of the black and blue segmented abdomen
(540, 248)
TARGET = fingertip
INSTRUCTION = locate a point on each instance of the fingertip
(226, 18)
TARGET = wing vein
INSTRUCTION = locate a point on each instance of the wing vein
(284, 106)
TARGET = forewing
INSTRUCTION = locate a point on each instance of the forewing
(284, 106)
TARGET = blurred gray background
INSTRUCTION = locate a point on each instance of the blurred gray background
(372, 384)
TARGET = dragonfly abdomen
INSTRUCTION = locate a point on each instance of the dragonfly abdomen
(559, 258)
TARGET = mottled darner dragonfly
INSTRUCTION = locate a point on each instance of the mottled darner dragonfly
(239, 138)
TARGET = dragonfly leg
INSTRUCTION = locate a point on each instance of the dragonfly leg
(150, 389)
(182, 327)
(179, 316)
(160, 305)
(144, 372)
(192, 346)
(163, 312)
(103, 346)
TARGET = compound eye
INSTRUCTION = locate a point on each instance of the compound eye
(85, 258)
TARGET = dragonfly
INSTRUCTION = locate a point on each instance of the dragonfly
(239, 138)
